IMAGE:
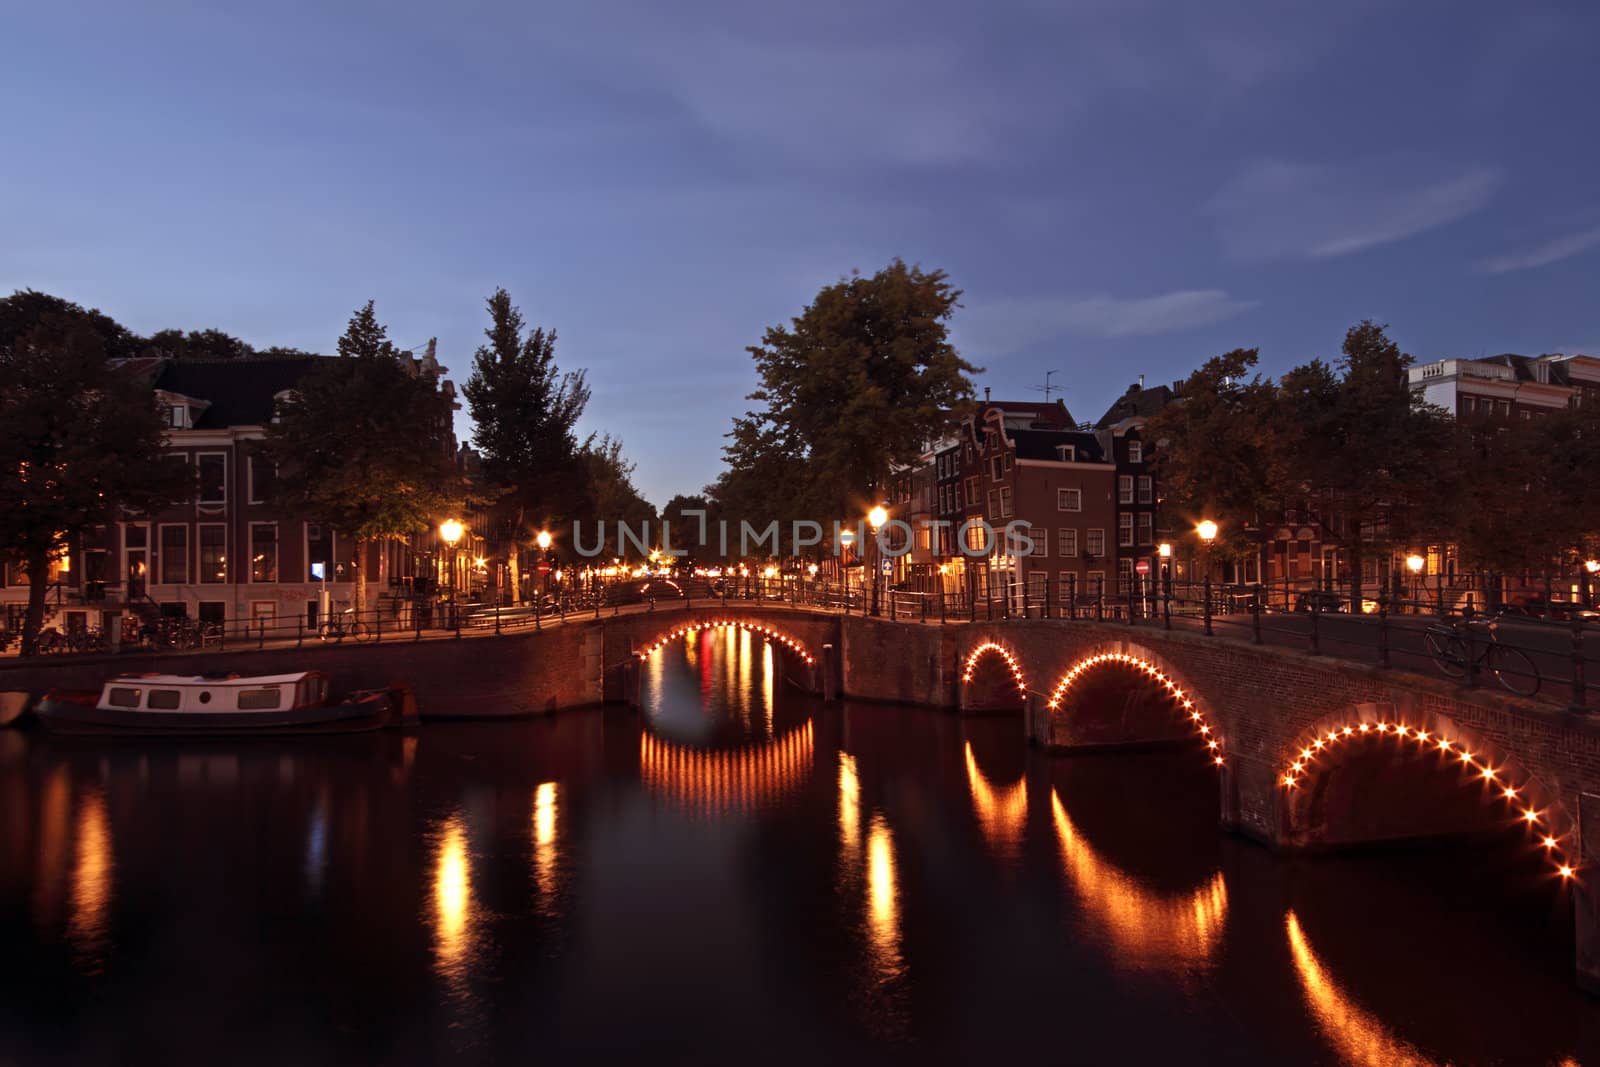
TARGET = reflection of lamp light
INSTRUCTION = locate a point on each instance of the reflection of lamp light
(1414, 563)
(1207, 530)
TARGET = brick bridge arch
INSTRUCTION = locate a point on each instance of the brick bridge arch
(971, 697)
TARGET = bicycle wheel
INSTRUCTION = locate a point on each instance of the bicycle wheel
(330, 631)
(1449, 652)
(1514, 669)
(360, 631)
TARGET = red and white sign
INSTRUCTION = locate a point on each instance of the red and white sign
(1142, 566)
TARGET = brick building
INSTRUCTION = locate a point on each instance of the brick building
(1509, 386)
(227, 553)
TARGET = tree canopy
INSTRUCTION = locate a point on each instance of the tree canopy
(365, 445)
(853, 386)
(80, 441)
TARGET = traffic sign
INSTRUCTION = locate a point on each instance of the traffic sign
(1142, 566)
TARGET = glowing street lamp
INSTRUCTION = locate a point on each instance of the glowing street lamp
(1415, 563)
(1592, 566)
(1207, 531)
(875, 519)
(451, 531)
(543, 540)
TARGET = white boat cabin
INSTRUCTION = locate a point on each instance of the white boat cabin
(219, 694)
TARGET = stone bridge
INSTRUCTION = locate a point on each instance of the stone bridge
(1310, 752)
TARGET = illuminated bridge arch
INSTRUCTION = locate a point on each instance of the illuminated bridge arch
(969, 671)
(1147, 665)
(776, 636)
(1516, 796)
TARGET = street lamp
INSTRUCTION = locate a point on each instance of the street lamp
(1414, 564)
(1592, 566)
(451, 531)
(875, 519)
(1208, 533)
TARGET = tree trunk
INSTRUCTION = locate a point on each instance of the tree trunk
(361, 576)
(38, 568)
(514, 570)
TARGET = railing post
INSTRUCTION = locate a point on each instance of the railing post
(1207, 594)
(941, 604)
(377, 627)
(1100, 599)
(1468, 638)
(1166, 602)
(1130, 602)
(1316, 615)
(416, 617)
(1255, 614)
(300, 631)
(1383, 629)
(1580, 688)
(1072, 597)
(261, 634)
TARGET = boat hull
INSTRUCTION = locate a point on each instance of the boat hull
(75, 713)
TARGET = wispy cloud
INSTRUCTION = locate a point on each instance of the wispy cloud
(1002, 327)
(1542, 255)
(1280, 210)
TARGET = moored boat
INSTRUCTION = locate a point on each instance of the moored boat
(222, 705)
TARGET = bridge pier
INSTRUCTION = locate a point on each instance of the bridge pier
(1586, 893)
(828, 665)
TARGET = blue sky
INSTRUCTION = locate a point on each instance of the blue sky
(1119, 186)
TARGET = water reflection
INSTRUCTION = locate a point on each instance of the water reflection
(868, 886)
(714, 686)
(1358, 1036)
(546, 871)
(849, 805)
(883, 902)
(92, 872)
(1149, 929)
(1002, 812)
(454, 910)
(710, 782)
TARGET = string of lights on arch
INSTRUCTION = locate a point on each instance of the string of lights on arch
(970, 670)
(749, 627)
(1517, 796)
(1212, 739)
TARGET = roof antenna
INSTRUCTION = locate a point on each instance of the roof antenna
(1047, 388)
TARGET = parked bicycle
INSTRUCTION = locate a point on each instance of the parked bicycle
(340, 625)
(1511, 667)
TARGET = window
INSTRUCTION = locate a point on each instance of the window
(1124, 488)
(263, 551)
(994, 503)
(1066, 542)
(1038, 582)
(1124, 576)
(1147, 533)
(178, 416)
(1069, 584)
(174, 555)
(1135, 451)
(1095, 542)
(260, 699)
(1469, 405)
(1146, 489)
(1040, 539)
(164, 700)
(262, 476)
(213, 553)
(976, 538)
(1069, 500)
(972, 489)
(1094, 582)
(1068, 453)
(997, 468)
(213, 477)
(1125, 529)
(1010, 461)
(1005, 502)
(123, 698)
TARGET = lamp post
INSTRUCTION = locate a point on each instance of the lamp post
(543, 540)
(875, 519)
(1591, 570)
(1208, 533)
(1414, 564)
(1164, 551)
(846, 539)
(451, 530)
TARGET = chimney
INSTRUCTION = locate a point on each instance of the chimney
(1141, 381)
(986, 394)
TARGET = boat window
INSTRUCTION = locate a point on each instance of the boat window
(259, 699)
(123, 698)
(165, 699)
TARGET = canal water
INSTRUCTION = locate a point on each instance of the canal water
(734, 873)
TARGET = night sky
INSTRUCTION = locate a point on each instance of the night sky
(1120, 187)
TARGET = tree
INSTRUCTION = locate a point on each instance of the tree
(855, 385)
(1362, 448)
(524, 414)
(197, 344)
(1217, 454)
(364, 444)
(611, 496)
(26, 308)
(79, 440)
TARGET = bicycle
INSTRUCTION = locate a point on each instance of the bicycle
(337, 627)
(1511, 666)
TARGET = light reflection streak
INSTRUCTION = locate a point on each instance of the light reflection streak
(455, 913)
(1002, 812)
(849, 804)
(768, 675)
(92, 883)
(1355, 1032)
(1149, 928)
(883, 904)
(714, 781)
(546, 874)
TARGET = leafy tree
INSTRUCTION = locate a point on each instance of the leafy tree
(612, 497)
(26, 308)
(853, 386)
(365, 444)
(1217, 454)
(79, 439)
(524, 413)
(1357, 443)
(197, 344)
